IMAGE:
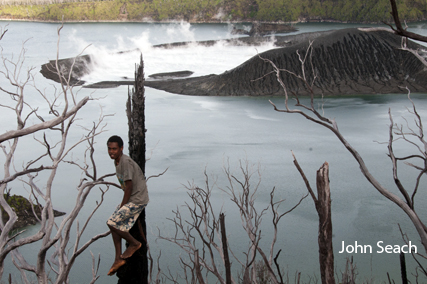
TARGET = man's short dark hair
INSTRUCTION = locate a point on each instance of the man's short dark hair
(116, 139)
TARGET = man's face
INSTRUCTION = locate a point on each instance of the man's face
(114, 150)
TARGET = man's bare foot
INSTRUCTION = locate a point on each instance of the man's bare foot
(130, 250)
(116, 265)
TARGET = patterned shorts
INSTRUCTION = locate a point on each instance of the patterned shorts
(125, 217)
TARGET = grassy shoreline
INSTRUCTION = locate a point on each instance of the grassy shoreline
(171, 21)
(208, 11)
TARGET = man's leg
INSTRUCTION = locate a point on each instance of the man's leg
(118, 261)
(134, 245)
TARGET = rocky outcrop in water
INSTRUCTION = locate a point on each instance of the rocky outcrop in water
(348, 61)
(171, 75)
(25, 210)
(79, 66)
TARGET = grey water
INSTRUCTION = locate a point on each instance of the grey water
(193, 135)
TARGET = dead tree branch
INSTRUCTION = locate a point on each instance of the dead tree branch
(310, 113)
(399, 30)
(202, 236)
(52, 131)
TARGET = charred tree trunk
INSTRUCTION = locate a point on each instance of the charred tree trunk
(227, 263)
(323, 207)
(403, 268)
(136, 268)
(135, 109)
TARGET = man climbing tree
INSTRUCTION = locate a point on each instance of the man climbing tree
(135, 199)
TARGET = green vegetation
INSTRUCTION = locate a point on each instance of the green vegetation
(18, 204)
(24, 210)
(216, 10)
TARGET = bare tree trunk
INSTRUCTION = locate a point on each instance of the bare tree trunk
(323, 207)
(136, 268)
(227, 263)
(135, 109)
(403, 268)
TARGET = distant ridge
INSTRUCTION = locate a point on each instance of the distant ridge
(284, 11)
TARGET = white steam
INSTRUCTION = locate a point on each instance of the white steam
(117, 61)
(181, 32)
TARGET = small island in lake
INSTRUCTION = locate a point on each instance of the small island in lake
(25, 211)
(346, 62)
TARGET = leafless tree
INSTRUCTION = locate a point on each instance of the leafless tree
(204, 242)
(51, 129)
(413, 136)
